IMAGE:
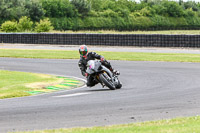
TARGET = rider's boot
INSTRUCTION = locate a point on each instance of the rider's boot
(114, 71)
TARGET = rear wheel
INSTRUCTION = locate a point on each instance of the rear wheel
(106, 81)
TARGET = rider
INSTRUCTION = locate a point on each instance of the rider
(85, 56)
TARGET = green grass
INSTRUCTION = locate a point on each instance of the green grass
(177, 125)
(130, 56)
(14, 84)
(48, 54)
(170, 32)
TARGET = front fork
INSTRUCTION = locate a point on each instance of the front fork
(113, 78)
(98, 79)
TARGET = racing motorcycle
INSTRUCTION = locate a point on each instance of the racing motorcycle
(103, 75)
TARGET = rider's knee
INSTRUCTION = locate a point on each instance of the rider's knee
(89, 84)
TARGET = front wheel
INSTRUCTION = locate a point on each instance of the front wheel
(106, 81)
(119, 85)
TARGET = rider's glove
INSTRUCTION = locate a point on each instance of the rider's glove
(86, 74)
(102, 59)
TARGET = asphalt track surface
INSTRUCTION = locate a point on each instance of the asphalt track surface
(104, 48)
(151, 91)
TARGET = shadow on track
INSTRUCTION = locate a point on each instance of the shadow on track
(99, 90)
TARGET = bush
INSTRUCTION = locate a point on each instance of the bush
(25, 24)
(9, 26)
(108, 13)
(63, 23)
(189, 12)
(193, 22)
(139, 23)
(44, 26)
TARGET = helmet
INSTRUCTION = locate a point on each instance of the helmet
(83, 50)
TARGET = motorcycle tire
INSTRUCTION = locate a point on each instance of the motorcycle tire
(119, 86)
(108, 83)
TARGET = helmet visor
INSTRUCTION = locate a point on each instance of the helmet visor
(83, 52)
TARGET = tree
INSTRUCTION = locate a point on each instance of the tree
(12, 9)
(191, 4)
(58, 8)
(35, 9)
(95, 4)
(169, 8)
(173, 9)
(83, 6)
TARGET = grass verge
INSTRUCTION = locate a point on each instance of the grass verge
(15, 84)
(177, 125)
(170, 32)
(130, 56)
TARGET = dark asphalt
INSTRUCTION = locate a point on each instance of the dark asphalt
(151, 91)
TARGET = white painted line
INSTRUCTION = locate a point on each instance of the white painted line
(72, 95)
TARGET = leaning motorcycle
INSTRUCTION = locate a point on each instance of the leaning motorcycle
(103, 75)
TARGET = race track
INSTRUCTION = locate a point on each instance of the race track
(151, 91)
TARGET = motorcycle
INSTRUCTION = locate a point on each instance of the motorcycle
(103, 75)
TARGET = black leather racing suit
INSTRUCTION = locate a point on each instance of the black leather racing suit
(83, 66)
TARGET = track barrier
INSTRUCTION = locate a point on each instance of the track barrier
(142, 40)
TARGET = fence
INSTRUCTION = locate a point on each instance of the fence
(153, 40)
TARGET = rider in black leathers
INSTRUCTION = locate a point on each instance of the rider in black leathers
(85, 56)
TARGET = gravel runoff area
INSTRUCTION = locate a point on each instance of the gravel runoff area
(104, 48)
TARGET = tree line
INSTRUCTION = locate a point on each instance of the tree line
(105, 14)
